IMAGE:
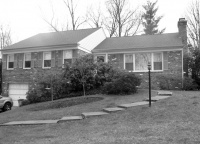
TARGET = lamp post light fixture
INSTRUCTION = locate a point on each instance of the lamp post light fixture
(149, 68)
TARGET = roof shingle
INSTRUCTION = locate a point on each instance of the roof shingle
(54, 38)
(140, 41)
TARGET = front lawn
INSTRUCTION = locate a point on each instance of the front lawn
(69, 106)
(175, 120)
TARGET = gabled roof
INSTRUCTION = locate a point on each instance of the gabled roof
(140, 41)
(69, 37)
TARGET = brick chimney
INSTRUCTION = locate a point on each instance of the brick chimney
(182, 28)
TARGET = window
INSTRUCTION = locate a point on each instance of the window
(27, 60)
(67, 57)
(101, 58)
(10, 61)
(141, 61)
(157, 61)
(129, 62)
(47, 59)
(138, 62)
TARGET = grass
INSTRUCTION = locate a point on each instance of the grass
(175, 120)
(63, 103)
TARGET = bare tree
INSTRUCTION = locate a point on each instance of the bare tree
(95, 18)
(5, 36)
(53, 22)
(75, 21)
(193, 17)
(121, 21)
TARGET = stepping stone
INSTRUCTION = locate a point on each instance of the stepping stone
(133, 104)
(164, 93)
(35, 122)
(161, 97)
(90, 114)
(153, 99)
(70, 118)
(114, 109)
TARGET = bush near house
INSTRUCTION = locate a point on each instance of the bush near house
(84, 76)
(189, 84)
(125, 83)
(166, 81)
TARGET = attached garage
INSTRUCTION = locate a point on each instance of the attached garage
(17, 91)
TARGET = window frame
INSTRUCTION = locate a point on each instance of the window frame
(25, 61)
(104, 55)
(64, 55)
(8, 61)
(45, 59)
(152, 62)
(133, 55)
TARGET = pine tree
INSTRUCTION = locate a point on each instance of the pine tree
(150, 21)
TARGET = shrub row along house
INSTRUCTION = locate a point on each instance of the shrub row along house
(49, 51)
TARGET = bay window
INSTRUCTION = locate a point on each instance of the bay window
(138, 62)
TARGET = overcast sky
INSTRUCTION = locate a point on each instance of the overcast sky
(25, 16)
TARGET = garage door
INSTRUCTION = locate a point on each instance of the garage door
(17, 91)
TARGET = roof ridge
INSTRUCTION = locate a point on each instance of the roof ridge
(69, 30)
(142, 35)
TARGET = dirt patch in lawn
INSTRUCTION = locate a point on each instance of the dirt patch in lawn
(65, 103)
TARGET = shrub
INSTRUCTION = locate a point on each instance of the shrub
(126, 83)
(189, 84)
(168, 81)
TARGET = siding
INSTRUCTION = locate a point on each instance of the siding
(91, 41)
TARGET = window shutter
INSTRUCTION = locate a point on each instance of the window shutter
(40, 59)
(60, 58)
(32, 60)
(15, 60)
(4, 61)
(121, 61)
(53, 59)
(165, 58)
(20, 62)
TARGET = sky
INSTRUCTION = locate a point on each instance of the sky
(24, 17)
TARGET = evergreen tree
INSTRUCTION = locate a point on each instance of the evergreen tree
(150, 21)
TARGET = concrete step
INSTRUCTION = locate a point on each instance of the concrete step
(33, 122)
(113, 109)
(128, 105)
(91, 114)
(70, 118)
(164, 93)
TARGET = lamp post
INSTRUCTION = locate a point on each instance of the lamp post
(50, 88)
(149, 68)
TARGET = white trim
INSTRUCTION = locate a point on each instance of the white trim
(44, 59)
(106, 57)
(8, 61)
(27, 50)
(24, 61)
(127, 52)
